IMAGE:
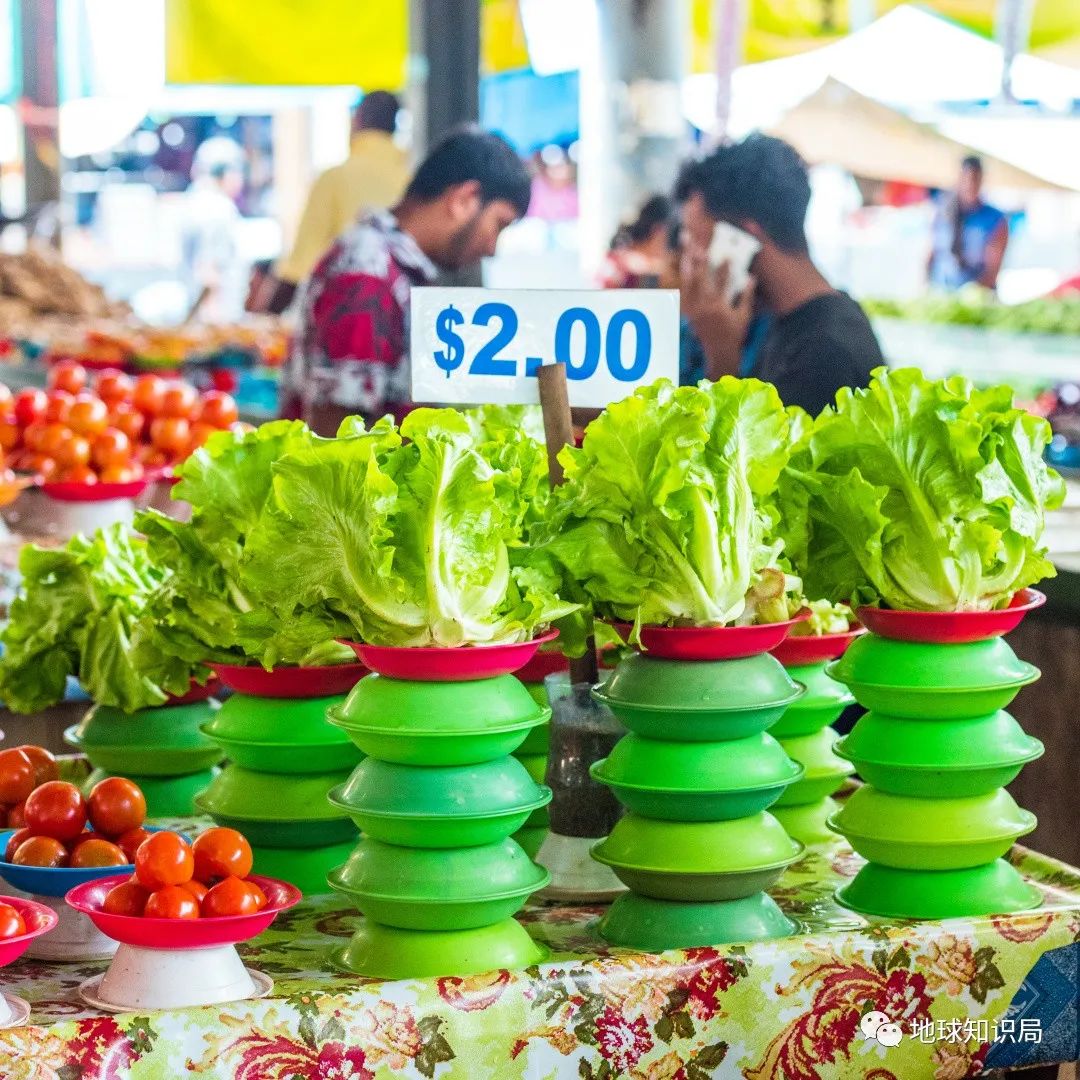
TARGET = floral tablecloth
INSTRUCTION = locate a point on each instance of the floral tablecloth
(969, 995)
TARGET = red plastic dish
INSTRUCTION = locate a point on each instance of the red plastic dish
(196, 693)
(84, 493)
(290, 682)
(449, 664)
(715, 642)
(950, 627)
(39, 920)
(542, 665)
(797, 650)
(181, 933)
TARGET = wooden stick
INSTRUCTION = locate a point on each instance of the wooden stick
(559, 432)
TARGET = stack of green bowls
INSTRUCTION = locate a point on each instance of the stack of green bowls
(438, 799)
(806, 735)
(697, 774)
(162, 749)
(283, 760)
(935, 750)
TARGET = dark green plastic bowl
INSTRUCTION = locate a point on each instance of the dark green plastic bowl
(648, 925)
(825, 699)
(530, 838)
(289, 758)
(299, 721)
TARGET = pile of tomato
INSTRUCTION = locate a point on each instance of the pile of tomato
(111, 429)
(57, 827)
(177, 880)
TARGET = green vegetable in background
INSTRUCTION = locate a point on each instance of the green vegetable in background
(75, 614)
(922, 495)
(409, 536)
(666, 515)
(211, 607)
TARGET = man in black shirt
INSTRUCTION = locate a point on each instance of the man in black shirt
(818, 339)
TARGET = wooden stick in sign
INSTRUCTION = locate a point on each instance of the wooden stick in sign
(559, 432)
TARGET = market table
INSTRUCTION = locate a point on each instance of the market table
(777, 1010)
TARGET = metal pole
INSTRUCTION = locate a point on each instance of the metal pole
(451, 30)
(730, 23)
(1012, 30)
(40, 104)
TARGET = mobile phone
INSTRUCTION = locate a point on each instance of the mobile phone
(737, 248)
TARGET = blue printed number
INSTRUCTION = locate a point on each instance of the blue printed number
(590, 358)
(487, 361)
(643, 345)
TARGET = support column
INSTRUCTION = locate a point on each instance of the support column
(40, 103)
(633, 135)
(1012, 31)
(451, 46)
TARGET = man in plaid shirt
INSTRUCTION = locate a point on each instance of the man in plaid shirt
(351, 354)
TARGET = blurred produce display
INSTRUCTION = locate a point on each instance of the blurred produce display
(979, 307)
(38, 283)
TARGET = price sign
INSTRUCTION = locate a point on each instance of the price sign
(486, 345)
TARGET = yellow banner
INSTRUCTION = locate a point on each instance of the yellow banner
(287, 42)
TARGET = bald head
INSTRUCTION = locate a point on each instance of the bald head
(377, 112)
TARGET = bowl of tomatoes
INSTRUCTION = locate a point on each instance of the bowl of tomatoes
(178, 920)
(22, 922)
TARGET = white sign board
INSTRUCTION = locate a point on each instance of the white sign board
(479, 346)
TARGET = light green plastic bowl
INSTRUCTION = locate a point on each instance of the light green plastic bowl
(535, 765)
(909, 833)
(384, 952)
(698, 861)
(808, 823)
(530, 838)
(298, 721)
(677, 781)
(452, 806)
(639, 922)
(306, 867)
(448, 889)
(884, 892)
(825, 699)
(825, 772)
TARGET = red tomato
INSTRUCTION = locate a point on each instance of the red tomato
(179, 399)
(196, 888)
(114, 386)
(86, 834)
(126, 418)
(148, 393)
(11, 922)
(58, 409)
(73, 452)
(67, 375)
(121, 474)
(16, 776)
(127, 898)
(116, 806)
(221, 853)
(29, 406)
(129, 842)
(40, 465)
(260, 896)
(40, 851)
(200, 432)
(10, 434)
(5, 398)
(229, 897)
(56, 809)
(16, 838)
(150, 457)
(218, 409)
(16, 816)
(34, 435)
(97, 853)
(170, 434)
(77, 474)
(163, 859)
(171, 902)
(45, 767)
(111, 447)
(89, 415)
(54, 439)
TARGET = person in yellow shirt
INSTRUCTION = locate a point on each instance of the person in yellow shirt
(373, 177)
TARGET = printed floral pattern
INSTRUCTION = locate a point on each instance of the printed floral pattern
(786, 1010)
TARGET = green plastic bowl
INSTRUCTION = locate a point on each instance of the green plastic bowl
(240, 793)
(166, 796)
(289, 835)
(449, 889)
(825, 772)
(299, 721)
(153, 742)
(931, 834)
(996, 888)
(698, 861)
(538, 692)
(932, 682)
(449, 807)
(535, 765)
(825, 699)
(648, 925)
(384, 952)
(939, 760)
(290, 758)
(530, 838)
(808, 823)
(306, 868)
(677, 781)
(536, 742)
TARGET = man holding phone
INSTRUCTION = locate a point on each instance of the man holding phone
(818, 339)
